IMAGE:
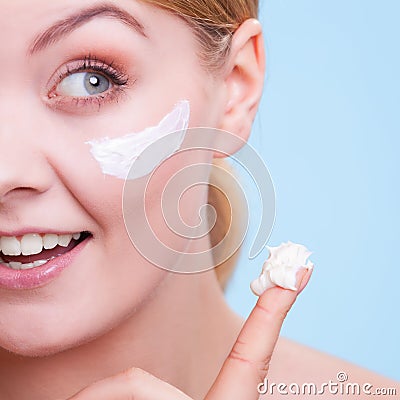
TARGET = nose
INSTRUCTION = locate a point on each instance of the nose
(24, 170)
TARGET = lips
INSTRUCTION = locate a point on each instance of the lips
(37, 276)
(34, 250)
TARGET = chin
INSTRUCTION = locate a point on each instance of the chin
(26, 344)
(36, 350)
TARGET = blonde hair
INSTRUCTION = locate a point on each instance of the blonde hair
(214, 22)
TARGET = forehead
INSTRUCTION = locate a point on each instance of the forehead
(43, 22)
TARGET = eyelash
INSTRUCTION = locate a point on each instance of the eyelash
(119, 80)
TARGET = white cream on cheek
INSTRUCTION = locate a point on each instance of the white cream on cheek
(281, 267)
(121, 157)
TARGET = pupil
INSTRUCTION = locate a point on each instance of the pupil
(94, 80)
(96, 84)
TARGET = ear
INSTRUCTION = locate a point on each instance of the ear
(243, 79)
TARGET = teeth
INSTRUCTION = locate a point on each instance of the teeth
(26, 266)
(50, 241)
(34, 243)
(19, 266)
(64, 240)
(10, 246)
(31, 244)
(39, 263)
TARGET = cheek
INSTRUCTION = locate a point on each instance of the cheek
(109, 281)
(164, 219)
(113, 279)
(90, 299)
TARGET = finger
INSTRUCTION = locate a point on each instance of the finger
(247, 364)
(131, 384)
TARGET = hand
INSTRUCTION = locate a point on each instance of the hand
(246, 366)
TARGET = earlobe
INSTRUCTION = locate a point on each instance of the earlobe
(244, 79)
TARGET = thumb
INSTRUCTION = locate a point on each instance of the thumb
(133, 383)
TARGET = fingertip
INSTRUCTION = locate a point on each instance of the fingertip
(304, 278)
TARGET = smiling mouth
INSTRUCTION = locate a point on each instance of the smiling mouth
(34, 250)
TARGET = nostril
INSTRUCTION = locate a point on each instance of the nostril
(14, 193)
(24, 173)
(24, 189)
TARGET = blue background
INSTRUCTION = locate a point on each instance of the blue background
(328, 130)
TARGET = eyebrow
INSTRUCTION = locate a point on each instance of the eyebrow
(62, 28)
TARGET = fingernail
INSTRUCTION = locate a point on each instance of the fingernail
(303, 278)
(300, 277)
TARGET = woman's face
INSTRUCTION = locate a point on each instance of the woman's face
(144, 61)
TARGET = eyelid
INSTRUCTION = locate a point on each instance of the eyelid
(117, 75)
(88, 63)
(85, 105)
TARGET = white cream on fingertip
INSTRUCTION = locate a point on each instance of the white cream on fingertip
(121, 157)
(281, 267)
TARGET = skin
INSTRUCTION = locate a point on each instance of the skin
(111, 315)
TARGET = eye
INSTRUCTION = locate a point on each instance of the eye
(83, 84)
